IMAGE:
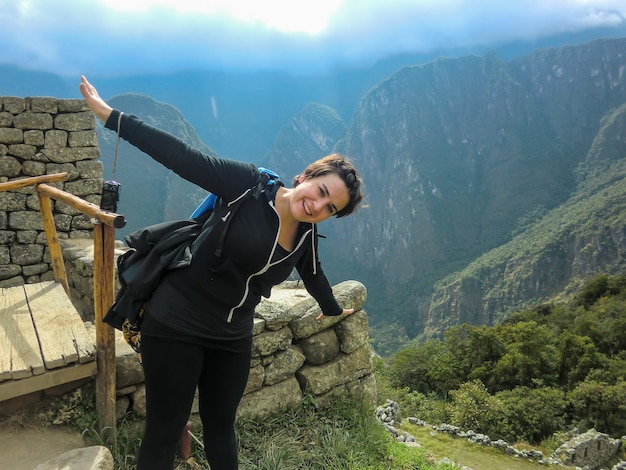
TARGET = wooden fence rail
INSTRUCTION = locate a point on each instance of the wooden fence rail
(105, 224)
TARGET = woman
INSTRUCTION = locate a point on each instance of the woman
(198, 328)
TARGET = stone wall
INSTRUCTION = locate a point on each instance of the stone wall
(590, 449)
(41, 136)
(293, 353)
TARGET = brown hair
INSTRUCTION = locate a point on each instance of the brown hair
(342, 167)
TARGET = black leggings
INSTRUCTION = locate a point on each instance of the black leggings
(172, 371)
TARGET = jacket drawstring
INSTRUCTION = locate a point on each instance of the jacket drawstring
(269, 263)
(314, 257)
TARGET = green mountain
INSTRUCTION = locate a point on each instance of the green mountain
(490, 185)
(553, 255)
(458, 155)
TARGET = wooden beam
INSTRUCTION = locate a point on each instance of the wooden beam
(103, 269)
(92, 210)
(56, 254)
(33, 180)
(17, 388)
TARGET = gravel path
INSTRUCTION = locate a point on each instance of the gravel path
(24, 449)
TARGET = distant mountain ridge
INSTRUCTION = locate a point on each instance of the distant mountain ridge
(456, 153)
(490, 185)
(480, 178)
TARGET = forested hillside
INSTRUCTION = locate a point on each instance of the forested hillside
(459, 157)
(543, 370)
(490, 185)
(553, 252)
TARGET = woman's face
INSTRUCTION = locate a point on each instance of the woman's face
(317, 199)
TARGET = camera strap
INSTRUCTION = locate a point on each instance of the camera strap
(117, 144)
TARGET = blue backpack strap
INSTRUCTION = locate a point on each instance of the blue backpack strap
(268, 177)
(268, 181)
(207, 204)
(272, 174)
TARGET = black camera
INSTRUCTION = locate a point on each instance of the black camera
(110, 196)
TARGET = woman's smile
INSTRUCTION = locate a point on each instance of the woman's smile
(317, 199)
(306, 208)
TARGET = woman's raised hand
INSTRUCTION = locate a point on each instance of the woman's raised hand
(95, 103)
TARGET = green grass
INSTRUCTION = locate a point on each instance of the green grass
(345, 436)
(463, 452)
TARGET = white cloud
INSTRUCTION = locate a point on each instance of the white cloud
(283, 15)
(113, 36)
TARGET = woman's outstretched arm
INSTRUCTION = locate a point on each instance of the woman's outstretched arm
(97, 105)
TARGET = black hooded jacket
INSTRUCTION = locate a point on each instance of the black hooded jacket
(215, 299)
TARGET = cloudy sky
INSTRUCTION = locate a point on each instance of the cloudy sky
(70, 37)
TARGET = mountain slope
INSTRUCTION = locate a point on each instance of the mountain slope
(456, 153)
(459, 157)
(582, 237)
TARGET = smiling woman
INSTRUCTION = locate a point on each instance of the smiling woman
(199, 321)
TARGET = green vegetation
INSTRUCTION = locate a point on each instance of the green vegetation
(543, 370)
(345, 436)
(469, 454)
(528, 381)
(552, 253)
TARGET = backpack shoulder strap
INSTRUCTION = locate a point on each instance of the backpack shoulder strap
(266, 179)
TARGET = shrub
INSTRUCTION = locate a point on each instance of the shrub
(473, 407)
(532, 414)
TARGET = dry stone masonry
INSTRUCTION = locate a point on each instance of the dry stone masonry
(589, 449)
(40, 136)
(293, 354)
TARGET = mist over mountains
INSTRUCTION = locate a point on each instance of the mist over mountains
(491, 183)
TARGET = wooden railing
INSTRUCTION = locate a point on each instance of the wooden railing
(105, 224)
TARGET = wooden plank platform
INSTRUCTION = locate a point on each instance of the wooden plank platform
(43, 340)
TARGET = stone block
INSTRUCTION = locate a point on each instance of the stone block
(269, 342)
(86, 458)
(344, 369)
(284, 365)
(30, 120)
(320, 347)
(270, 399)
(14, 105)
(255, 379)
(44, 104)
(78, 121)
(353, 331)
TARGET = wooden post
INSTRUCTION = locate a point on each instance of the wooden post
(56, 255)
(105, 224)
(103, 293)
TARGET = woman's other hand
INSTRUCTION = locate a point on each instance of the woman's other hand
(346, 311)
(95, 103)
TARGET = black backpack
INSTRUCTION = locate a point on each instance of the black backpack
(166, 246)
